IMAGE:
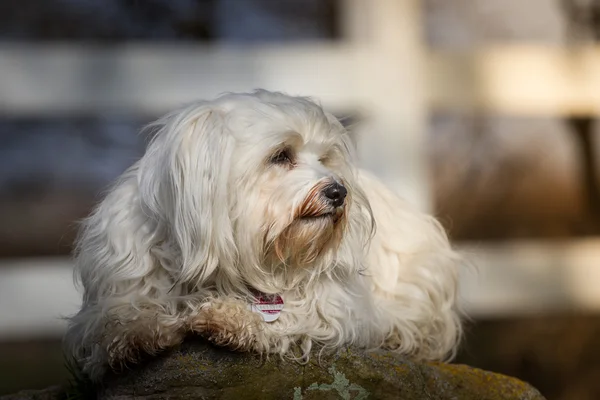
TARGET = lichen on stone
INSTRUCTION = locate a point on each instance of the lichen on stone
(201, 371)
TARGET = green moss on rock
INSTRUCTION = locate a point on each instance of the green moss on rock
(198, 370)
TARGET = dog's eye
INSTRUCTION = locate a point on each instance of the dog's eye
(282, 157)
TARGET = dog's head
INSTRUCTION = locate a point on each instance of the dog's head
(256, 188)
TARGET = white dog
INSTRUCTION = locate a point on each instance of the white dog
(246, 222)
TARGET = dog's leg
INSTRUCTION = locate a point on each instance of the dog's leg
(139, 331)
(229, 323)
(113, 336)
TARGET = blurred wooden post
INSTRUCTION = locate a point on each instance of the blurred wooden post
(390, 77)
(583, 130)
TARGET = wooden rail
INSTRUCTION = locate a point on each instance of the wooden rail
(380, 70)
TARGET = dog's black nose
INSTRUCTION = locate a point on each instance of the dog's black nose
(335, 194)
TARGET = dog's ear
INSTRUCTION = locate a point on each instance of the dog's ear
(191, 153)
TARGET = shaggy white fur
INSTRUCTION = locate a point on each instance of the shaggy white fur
(257, 193)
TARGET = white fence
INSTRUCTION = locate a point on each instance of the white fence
(511, 279)
(380, 69)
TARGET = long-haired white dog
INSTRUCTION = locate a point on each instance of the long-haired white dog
(246, 222)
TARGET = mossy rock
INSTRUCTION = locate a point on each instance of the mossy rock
(197, 370)
(51, 393)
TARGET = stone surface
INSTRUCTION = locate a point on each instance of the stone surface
(51, 393)
(199, 371)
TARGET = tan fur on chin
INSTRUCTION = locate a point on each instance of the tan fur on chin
(302, 242)
(216, 211)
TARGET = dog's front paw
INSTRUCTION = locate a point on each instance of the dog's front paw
(393, 342)
(127, 342)
(228, 324)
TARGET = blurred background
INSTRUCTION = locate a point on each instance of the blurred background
(482, 112)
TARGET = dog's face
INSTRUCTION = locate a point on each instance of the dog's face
(293, 190)
(262, 179)
(291, 182)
